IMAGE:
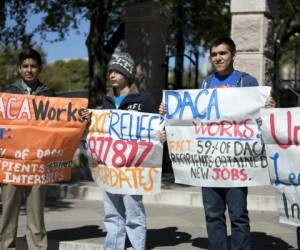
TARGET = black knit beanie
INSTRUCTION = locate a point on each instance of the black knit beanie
(123, 63)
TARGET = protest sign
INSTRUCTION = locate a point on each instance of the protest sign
(281, 135)
(38, 137)
(124, 151)
(213, 136)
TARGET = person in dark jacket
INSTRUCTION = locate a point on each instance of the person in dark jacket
(29, 67)
(125, 214)
(124, 94)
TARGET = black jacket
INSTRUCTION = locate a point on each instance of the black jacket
(135, 100)
(40, 89)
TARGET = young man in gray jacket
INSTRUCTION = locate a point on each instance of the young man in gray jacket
(29, 67)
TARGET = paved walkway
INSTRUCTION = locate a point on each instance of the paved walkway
(259, 199)
(77, 224)
(175, 218)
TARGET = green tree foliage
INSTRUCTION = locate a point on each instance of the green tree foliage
(195, 23)
(199, 21)
(287, 39)
(8, 67)
(60, 76)
(287, 22)
(63, 76)
(105, 33)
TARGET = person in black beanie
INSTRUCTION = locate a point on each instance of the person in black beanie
(125, 214)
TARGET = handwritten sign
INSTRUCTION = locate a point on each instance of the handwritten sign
(213, 136)
(38, 137)
(125, 154)
(281, 134)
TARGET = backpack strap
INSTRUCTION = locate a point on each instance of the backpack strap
(207, 81)
(239, 81)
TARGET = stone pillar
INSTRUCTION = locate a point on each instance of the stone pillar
(251, 30)
(145, 39)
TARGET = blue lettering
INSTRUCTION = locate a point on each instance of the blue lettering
(141, 127)
(277, 179)
(213, 103)
(206, 92)
(137, 127)
(130, 128)
(1, 133)
(150, 125)
(187, 102)
(113, 122)
(122, 126)
(292, 177)
(198, 109)
(176, 95)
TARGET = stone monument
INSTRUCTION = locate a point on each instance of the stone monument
(251, 29)
(145, 39)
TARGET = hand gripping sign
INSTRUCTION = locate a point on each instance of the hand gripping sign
(281, 134)
(38, 138)
(213, 136)
(124, 151)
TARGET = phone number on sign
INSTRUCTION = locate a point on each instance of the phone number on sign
(125, 153)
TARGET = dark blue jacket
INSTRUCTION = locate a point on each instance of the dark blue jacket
(135, 100)
(244, 80)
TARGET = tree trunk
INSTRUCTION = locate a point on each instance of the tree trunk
(2, 14)
(100, 52)
(180, 46)
(97, 56)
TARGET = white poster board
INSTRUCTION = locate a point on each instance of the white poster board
(213, 136)
(124, 151)
(281, 135)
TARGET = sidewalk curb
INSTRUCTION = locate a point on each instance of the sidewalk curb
(172, 196)
(77, 245)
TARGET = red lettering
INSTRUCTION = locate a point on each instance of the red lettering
(234, 174)
(99, 147)
(201, 128)
(225, 127)
(217, 174)
(213, 126)
(243, 175)
(296, 129)
(225, 174)
(273, 133)
(248, 129)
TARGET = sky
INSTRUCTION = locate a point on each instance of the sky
(73, 47)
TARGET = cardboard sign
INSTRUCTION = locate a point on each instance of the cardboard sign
(38, 138)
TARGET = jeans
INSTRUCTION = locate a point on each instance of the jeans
(215, 200)
(124, 214)
(298, 237)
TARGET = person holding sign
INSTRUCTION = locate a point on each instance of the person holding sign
(125, 213)
(29, 67)
(222, 54)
